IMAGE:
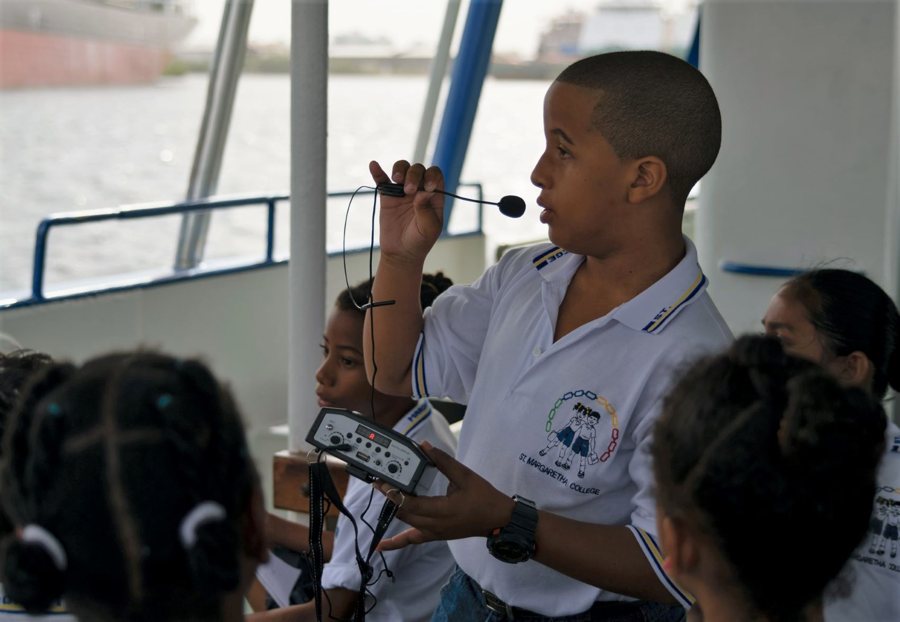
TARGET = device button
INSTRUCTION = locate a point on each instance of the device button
(329, 426)
(336, 439)
(393, 467)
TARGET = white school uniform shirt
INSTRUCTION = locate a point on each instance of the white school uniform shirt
(11, 612)
(419, 571)
(874, 568)
(566, 424)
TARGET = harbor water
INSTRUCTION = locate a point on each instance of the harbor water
(69, 149)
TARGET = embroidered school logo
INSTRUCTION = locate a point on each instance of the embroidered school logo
(883, 528)
(579, 439)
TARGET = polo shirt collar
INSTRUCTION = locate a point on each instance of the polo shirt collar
(651, 310)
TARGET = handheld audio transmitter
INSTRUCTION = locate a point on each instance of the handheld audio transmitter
(510, 205)
(372, 451)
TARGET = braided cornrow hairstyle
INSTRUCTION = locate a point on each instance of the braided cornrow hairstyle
(17, 368)
(432, 286)
(109, 458)
(770, 458)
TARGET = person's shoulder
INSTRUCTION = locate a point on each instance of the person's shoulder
(892, 445)
(701, 323)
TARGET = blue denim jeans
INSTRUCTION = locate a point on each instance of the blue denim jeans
(462, 601)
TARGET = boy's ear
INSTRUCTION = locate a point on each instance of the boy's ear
(649, 175)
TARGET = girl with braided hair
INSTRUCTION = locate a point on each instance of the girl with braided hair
(765, 473)
(847, 324)
(16, 368)
(132, 491)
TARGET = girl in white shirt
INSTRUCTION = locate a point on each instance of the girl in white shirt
(765, 471)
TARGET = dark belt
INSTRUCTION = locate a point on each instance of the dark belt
(493, 602)
(600, 609)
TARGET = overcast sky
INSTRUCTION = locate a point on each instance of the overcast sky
(404, 22)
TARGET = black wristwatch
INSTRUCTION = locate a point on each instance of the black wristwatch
(515, 542)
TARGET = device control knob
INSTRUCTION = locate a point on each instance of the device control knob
(336, 439)
(393, 467)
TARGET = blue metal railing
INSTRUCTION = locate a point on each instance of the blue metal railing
(270, 202)
(735, 267)
(147, 211)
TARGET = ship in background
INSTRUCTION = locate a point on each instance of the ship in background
(83, 42)
(611, 26)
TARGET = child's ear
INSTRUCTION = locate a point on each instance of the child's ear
(855, 370)
(649, 175)
(678, 546)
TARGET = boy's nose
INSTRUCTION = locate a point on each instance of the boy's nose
(537, 173)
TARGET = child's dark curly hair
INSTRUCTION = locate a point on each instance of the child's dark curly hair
(16, 368)
(109, 459)
(771, 458)
(432, 286)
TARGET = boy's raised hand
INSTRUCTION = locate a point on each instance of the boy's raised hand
(471, 507)
(410, 225)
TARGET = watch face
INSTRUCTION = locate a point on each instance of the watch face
(509, 550)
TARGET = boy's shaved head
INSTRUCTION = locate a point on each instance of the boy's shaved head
(654, 104)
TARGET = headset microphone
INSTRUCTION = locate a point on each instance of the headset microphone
(509, 205)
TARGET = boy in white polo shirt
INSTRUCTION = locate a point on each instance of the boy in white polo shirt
(583, 333)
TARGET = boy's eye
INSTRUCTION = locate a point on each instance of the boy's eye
(562, 151)
(347, 362)
(324, 349)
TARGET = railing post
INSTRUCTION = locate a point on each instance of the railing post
(270, 229)
(40, 254)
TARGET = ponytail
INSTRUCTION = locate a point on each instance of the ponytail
(852, 314)
(771, 457)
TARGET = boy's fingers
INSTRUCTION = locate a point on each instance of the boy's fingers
(398, 172)
(434, 179)
(402, 539)
(377, 173)
(414, 177)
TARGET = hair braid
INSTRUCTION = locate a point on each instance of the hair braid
(31, 455)
(213, 558)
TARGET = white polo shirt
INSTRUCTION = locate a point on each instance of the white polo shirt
(874, 568)
(566, 424)
(419, 571)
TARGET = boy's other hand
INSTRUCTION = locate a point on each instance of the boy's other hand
(471, 507)
(410, 225)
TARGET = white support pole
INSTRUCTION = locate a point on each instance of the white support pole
(309, 98)
(892, 221)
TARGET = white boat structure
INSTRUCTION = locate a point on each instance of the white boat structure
(809, 172)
